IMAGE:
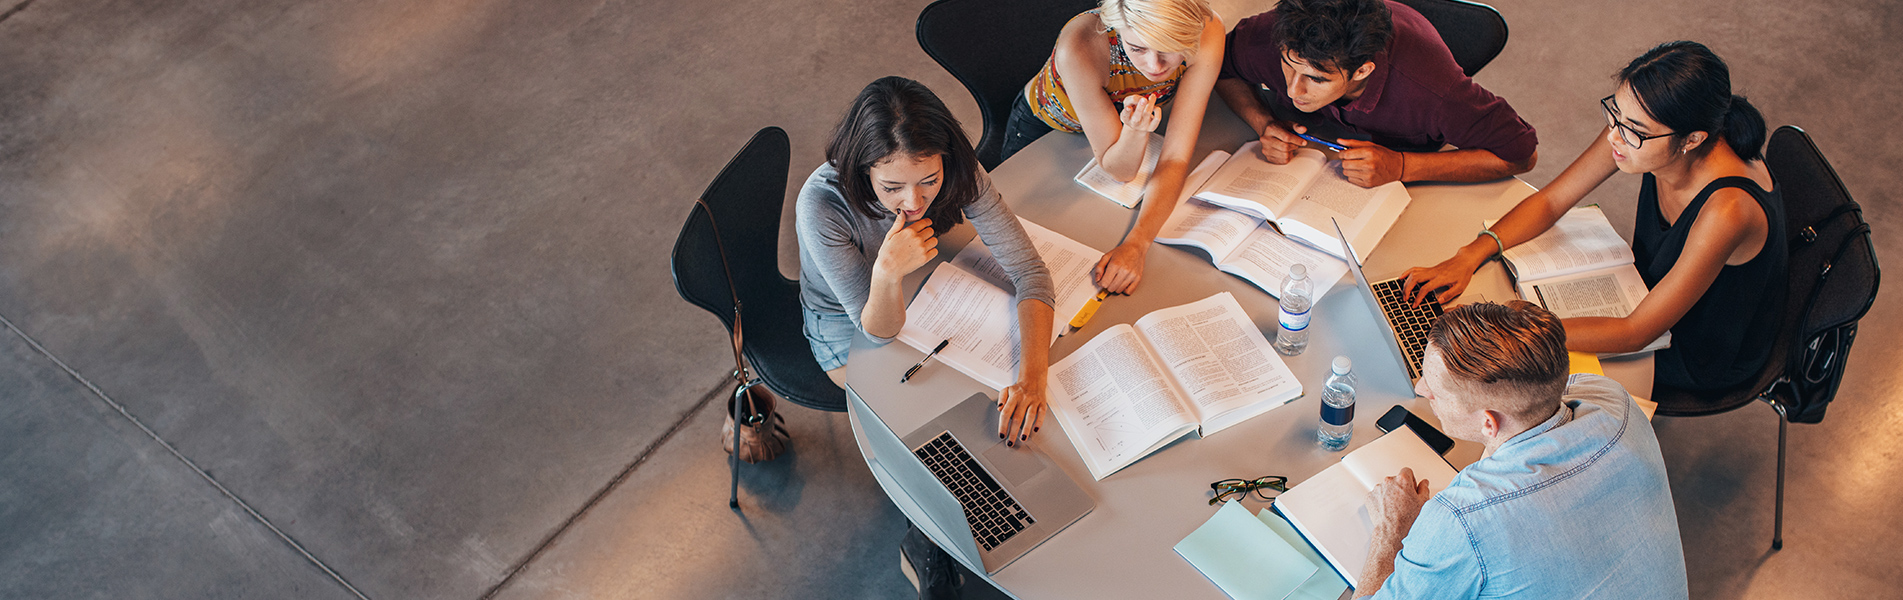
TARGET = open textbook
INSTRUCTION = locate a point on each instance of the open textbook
(1300, 197)
(1124, 193)
(969, 301)
(1242, 244)
(1331, 508)
(1580, 267)
(1199, 367)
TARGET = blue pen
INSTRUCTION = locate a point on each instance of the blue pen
(1330, 145)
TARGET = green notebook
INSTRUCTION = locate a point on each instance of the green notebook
(1248, 558)
(1325, 584)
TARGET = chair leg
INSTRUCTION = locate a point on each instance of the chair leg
(1777, 528)
(733, 457)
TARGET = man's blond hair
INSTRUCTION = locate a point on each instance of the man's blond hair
(1516, 351)
(1167, 25)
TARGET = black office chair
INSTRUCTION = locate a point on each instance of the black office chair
(1475, 33)
(726, 261)
(994, 47)
(1833, 281)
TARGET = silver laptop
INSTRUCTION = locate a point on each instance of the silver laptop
(1406, 325)
(996, 502)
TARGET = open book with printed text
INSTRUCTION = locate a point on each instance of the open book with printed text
(1300, 197)
(1580, 267)
(1243, 244)
(1200, 367)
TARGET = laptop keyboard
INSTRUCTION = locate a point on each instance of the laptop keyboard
(1410, 322)
(993, 514)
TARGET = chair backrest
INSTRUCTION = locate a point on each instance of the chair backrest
(735, 229)
(1833, 272)
(1475, 33)
(742, 236)
(994, 47)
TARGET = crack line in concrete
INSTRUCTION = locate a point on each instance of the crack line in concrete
(168, 445)
(719, 390)
(16, 9)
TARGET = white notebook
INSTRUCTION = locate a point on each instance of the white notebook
(1331, 508)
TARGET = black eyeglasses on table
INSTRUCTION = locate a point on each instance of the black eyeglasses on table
(1231, 489)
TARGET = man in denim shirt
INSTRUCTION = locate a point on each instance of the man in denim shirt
(1569, 499)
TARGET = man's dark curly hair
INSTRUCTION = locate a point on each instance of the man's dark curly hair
(1334, 35)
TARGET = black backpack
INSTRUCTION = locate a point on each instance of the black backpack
(1833, 275)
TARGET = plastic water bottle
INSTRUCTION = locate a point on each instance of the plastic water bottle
(1338, 406)
(1291, 337)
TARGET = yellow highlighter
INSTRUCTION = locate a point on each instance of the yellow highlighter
(1084, 314)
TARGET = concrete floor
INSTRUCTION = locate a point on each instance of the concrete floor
(393, 276)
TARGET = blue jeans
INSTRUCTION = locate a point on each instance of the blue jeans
(830, 335)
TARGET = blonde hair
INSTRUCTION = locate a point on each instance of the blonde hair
(1168, 25)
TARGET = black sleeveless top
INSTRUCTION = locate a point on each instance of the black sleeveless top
(1727, 335)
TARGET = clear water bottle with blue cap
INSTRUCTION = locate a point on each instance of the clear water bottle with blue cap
(1338, 406)
(1291, 335)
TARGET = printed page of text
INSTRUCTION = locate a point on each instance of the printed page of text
(1115, 402)
(1605, 293)
(1217, 355)
(1068, 260)
(1250, 184)
(1264, 258)
(1581, 240)
(978, 318)
(1365, 214)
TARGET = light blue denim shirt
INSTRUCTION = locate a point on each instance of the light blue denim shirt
(1577, 507)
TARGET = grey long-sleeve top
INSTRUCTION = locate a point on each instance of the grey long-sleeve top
(839, 245)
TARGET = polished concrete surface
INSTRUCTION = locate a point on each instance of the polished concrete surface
(393, 275)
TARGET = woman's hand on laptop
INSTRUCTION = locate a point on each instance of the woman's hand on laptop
(1450, 277)
(1021, 410)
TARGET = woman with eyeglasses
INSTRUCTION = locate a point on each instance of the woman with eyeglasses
(1709, 237)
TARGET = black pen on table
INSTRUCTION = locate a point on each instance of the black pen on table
(921, 362)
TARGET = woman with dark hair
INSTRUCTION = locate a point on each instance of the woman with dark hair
(1709, 239)
(899, 171)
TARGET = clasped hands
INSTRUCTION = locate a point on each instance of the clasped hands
(1363, 163)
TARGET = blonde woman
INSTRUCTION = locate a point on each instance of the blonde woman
(1112, 71)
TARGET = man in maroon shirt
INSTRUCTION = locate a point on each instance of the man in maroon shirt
(1375, 77)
